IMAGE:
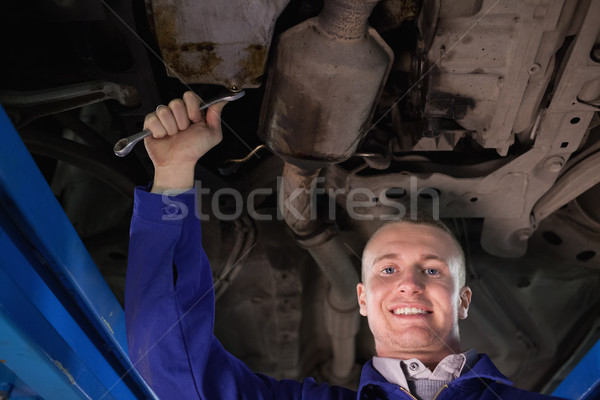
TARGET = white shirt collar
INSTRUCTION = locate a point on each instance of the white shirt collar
(398, 371)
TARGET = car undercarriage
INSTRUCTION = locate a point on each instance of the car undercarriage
(483, 113)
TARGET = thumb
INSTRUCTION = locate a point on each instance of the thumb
(213, 114)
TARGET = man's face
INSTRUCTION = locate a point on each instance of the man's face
(410, 292)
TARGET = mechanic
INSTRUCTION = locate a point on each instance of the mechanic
(413, 293)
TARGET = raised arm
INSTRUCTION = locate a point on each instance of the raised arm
(169, 296)
(169, 301)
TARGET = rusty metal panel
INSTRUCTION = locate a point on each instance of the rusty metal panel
(504, 80)
(218, 43)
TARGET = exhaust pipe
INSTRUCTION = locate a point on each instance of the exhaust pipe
(322, 89)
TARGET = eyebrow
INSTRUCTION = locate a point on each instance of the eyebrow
(388, 256)
(395, 256)
(428, 257)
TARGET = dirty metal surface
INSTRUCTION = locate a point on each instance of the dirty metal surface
(499, 77)
(230, 46)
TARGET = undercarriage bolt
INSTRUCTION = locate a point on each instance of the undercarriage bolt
(554, 164)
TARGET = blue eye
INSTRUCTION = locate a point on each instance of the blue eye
(431, 271)
(389, 270)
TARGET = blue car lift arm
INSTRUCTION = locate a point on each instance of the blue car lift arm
(62, 331)
(583, 382)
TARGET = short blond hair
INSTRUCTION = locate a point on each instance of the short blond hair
(426, 221)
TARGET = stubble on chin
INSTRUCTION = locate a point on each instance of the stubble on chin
(411, 341)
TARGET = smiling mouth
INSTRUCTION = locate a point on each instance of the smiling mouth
(409, 311)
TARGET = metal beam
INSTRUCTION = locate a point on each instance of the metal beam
(59, 300)
(583, 382)
(41, 343)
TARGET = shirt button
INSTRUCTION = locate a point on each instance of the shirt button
(171, 210)
(413, 366)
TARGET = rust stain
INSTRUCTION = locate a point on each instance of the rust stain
(165, 16)
(166, 30)
(253, 65)
(205, 46)
(183, 60)
(206, 58)
(191, 60)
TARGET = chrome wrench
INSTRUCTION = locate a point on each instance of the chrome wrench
(125, 145)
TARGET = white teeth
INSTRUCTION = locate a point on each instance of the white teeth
(409, 311)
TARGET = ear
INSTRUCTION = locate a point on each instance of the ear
(464, 302)
(361, 293)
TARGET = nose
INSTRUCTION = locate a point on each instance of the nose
(410, 282)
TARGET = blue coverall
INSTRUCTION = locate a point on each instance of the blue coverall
(170, 324)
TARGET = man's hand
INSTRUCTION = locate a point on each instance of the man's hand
(181, 134)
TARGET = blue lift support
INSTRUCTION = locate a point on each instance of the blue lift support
(583, 382)
(62, 331)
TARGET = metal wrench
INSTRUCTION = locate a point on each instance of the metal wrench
(125, 145)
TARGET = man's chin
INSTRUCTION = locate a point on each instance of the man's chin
(411, 340)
